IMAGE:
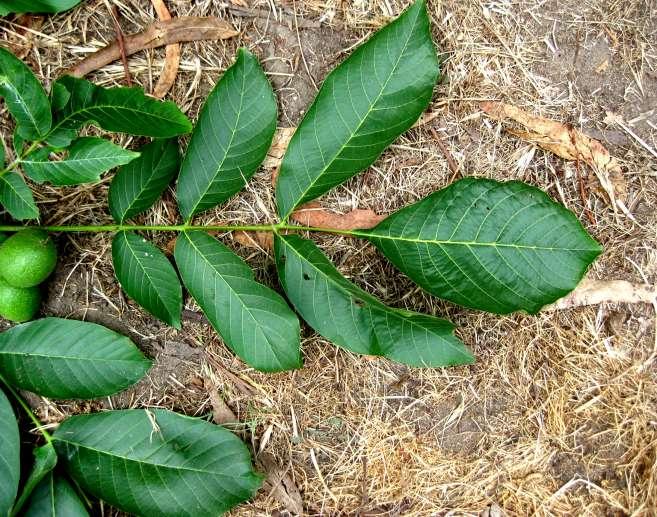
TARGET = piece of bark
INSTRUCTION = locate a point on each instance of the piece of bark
(171, 57)
(594, 292)
(566, 142)
(158, 34)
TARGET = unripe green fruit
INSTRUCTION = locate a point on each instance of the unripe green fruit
(18, 304)
(27, 258)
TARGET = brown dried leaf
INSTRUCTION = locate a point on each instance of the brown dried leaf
(171, 57)
(312, 214)
(566, 142)
(221, 413)
(594, 292)
(158, 34)
(280, 485)
(259, 240)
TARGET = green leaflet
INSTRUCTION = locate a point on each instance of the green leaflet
(231, 138)
(64, 359)
(353, 319)
(254, 321)
(154, 462)
(364, 105)
(88, 158)
(123, 110)
(498, 247)
(17, 197)
(25, 97)
(147, 276)
(55, 497)
(45, 459)
(10, 469)
(36, 6)
(141, 182)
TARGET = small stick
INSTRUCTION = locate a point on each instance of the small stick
(451, 163)
(582, 188)
(172, 56)
(120, 39)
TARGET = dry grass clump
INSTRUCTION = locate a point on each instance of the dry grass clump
(559, 415)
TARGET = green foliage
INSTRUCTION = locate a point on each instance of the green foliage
(254, 321)
(122, 110)
(55, 497)
(353, 319)
(141, 182)
(375, 95)
(17, 197)
(498, 247)
(154, 462)
(61, 358)
(147, 276)
(25, 97)
(87, 159)
(231, 138)
(45, 460)
(36, 6)
(9, 455)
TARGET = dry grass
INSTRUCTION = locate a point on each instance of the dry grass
(559, 415)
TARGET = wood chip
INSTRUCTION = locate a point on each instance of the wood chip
(171, 57)
(158, 34)
(566, 142)
(594, 292)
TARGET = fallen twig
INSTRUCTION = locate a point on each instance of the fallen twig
(176, 30)
(451, 163)
(171, 58)
(120, 41)
(593, 292)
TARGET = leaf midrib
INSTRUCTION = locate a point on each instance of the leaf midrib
(28, 112)
(72, 358)
(360, 124)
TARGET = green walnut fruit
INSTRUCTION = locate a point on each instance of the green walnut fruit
(27, 258)
(18, 304)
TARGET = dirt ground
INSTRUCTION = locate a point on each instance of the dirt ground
(559, 414)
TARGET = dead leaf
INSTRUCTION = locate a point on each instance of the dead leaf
(158, 34)
(259, 240)
(171, 56)
(280, 485)
(312, 214)
(221, 413)
(21, 40)
(594, 292)
(566, 142)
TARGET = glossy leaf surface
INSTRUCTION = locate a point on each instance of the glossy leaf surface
(147, 276)
(17, 197)
(10, 469)
(254, 321)
(154, 462)
(25, 97)
(55, 497)
(498, 247)
(45, 460)
(87, 159)
(140, 183)
(65, 359)
(123, 110)
(354, 319)
(36, 6)
(364, 105)
(231, 138)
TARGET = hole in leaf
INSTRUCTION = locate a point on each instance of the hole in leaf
(306, 276)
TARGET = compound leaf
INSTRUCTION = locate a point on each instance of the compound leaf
(155, 462)
(147, 276)
(55, 497)
(88, 158)
(122, 110)
(10, 469)
(45, 459)
(364, 104)
(25, 97)
(498, 247)
(353, 319)
(36, 6)
(17, 197)
(254, 321)
(65, 359)
(231, 138)
(141, 182)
